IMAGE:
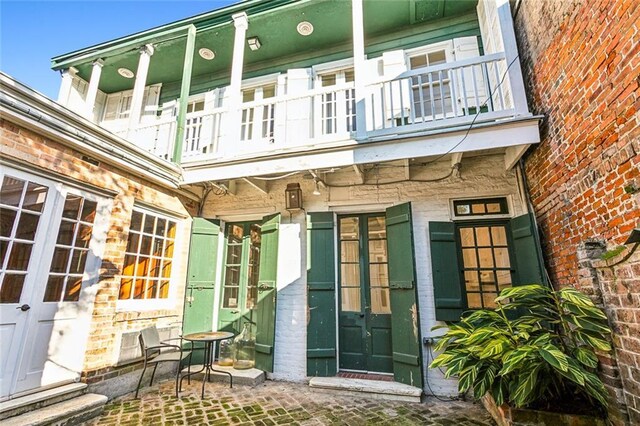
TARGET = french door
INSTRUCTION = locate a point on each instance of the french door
(364, 301)
(49, 255)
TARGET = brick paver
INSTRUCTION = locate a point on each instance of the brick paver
(276, 403)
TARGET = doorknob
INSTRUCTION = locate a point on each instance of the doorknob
(24, 308)
(361, 315)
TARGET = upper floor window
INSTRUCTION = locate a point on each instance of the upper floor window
(148, 257)
(258, 121)
(430, 92)
(338, 103)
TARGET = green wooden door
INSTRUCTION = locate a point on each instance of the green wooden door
(365, 310)
(200, 291)
(266, 293)
(405, 322)
(321, 311)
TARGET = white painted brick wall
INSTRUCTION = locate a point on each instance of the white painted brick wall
(481, 176)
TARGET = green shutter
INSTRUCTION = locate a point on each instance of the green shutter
(447, 285)
(405, 322)
(321, 281)
(266, 307)
(529, 264)
(201, 275)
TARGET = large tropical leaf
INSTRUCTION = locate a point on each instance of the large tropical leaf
(485, 380)
(526, 384)
(586, 356)
(554, 357)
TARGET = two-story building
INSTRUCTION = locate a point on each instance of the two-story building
(355, 165)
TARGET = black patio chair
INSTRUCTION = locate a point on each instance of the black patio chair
(156, 351)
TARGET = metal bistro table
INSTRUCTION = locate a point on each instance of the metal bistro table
(207, 365)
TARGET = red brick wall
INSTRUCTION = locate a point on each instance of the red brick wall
(23, 146)
(581, 61)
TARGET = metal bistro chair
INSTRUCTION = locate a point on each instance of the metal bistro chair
(156, 351)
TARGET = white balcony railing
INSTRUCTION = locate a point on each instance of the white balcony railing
(451, 94)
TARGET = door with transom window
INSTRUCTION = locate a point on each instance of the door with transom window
(364, 299)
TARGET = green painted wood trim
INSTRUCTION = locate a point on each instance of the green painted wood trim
(405, 318)
(448, 288)
(321, 353)
(403, 358)
(162, 33)
(264, 349)
(322, 285)
(184, 94)
(401, 285)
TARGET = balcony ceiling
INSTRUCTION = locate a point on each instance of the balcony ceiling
(282, 46)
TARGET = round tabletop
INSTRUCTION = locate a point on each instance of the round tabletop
(208, 336)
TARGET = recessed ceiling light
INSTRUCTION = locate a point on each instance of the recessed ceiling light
(125, 72)
(305, 28)
(206, 54)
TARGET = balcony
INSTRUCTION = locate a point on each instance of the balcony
(450, 94)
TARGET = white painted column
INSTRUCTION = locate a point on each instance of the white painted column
(138, 88)
(513, 61)
(359, 67)
(234, 95)
(92, 92)
(65, 85)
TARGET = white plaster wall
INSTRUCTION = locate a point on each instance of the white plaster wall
(480, 176)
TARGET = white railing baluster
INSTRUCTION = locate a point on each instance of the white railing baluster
(444, 112)
(384, 106)
(421, 96)
(485, 85)
(498, 85)
(433, 102)
(475, 88)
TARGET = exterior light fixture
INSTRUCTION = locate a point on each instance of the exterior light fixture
(254, 43)
(125, 72)
(293, 196)
(305, 28)
(206, 54)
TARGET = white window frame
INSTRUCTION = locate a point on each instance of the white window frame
(177, 264)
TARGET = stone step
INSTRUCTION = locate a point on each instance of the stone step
(374, 389)
(249, 377)
(73, 411)
(34, 401)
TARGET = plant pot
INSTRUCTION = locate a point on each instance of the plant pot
(504, 415)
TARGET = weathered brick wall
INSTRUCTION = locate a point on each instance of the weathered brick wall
(619, 283)
(21, 145)
(581, 62)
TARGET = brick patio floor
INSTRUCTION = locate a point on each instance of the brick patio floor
(275, 403)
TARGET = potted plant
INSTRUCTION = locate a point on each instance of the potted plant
(536, 350)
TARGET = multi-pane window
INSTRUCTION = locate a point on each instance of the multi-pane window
(331, 123)
(21, 207)
(242, 265)
(71, 250)
(193, 126)
(148, 257)
(482, 207)
(378, 268)
(431, 91)
(350, 264)
(486, 262)
(260, 116)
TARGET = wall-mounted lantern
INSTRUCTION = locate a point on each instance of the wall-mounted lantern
(293, 196)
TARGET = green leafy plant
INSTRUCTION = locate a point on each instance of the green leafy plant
(545, 354)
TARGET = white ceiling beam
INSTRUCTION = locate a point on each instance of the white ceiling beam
(260, 185)
(512, 155)
(359, 173)
(456, 158)
(407, 169)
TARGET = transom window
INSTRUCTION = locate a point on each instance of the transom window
(486, 262)
(481, 207)
(21, 207)
(71, 251)
(148, 257)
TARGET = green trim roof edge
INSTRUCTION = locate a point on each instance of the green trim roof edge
(167, 31)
